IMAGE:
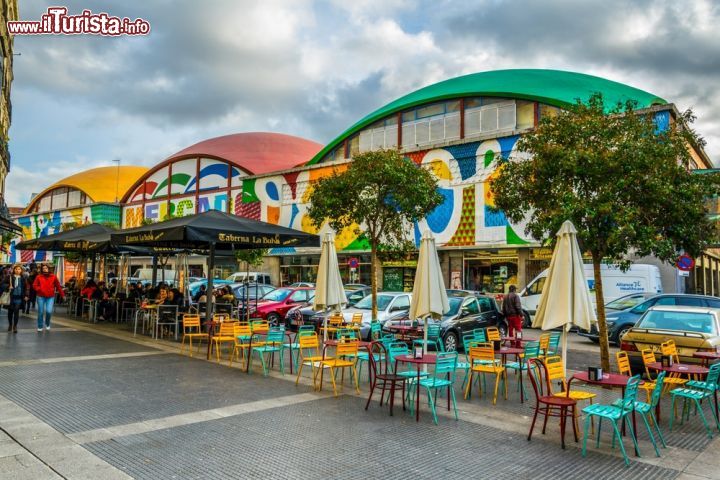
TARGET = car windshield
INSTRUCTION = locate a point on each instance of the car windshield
(678, 320)
(382, 302)
(623, 303)
(277, 295)
(455, 303)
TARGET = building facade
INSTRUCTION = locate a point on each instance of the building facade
(9, 12)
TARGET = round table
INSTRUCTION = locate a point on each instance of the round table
(707, 357)
(517, 351)
(681, 369)
(426, 359)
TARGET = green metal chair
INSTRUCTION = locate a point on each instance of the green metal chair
(554, 348)
(648, 410)
(615, 414)
(433, 338)
(442, 378)
(531, 350)
(698, 392)
(266, 350)
(479, 335)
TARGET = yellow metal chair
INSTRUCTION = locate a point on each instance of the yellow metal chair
(623, 363)
(335, 322)
(355, 322)
(670, 382)
(556, 372)
(493, 334)
(226, 334)
(310, 354)
(192, 329)
(242, 334)
(259, 326)
(544, 341)
(668, 348)
(345, 357)
(481, 360)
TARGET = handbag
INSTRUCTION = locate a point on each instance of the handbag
(5, 299)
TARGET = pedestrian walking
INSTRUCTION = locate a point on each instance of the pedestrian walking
(31, 294)
(17, 286)
(45, 285)
(512, 308)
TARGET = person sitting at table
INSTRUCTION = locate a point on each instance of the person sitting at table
(106, 307)
(174, 297)
(225, 296)
(112, 288)
(162, 295)
(200, 293)
(89, 290)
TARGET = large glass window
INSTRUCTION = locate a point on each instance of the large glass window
(489, 115)
(74, 198)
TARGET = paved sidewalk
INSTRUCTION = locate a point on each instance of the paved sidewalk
(91, 401)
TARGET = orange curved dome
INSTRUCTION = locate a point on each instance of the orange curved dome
(256, 152)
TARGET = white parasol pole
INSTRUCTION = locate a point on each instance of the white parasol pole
(325, 306)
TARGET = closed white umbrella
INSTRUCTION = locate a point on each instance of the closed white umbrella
(329, 289)
(565, 299)
(429, 298)
(60, 269)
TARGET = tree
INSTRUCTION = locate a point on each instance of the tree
(620, 177)
(379, 195)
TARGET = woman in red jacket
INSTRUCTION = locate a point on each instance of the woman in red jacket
(45, 285)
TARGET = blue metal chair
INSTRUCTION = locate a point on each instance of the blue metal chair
(698, 392)
(442, 378)
(274, 343)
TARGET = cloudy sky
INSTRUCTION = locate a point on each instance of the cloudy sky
(312, 68)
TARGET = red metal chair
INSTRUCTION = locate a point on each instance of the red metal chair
(546, 403)
(381, 372)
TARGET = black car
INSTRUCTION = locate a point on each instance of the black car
(468, 311)
(619, 322)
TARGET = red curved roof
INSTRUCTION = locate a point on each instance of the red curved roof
(256, 152)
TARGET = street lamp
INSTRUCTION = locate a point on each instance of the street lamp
(117, 179)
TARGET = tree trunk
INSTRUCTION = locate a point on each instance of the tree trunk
(602, 326)
(373, 278)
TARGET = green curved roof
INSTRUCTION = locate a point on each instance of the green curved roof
(553, 87)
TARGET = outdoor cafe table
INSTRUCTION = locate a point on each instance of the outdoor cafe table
(517, 351)
(517, 342)
(707, 357)
(426, 359)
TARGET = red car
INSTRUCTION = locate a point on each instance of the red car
(274, 305)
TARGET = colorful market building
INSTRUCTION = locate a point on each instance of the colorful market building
(460, 128)
(91, 196)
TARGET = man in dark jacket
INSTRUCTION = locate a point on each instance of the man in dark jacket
(512, 308)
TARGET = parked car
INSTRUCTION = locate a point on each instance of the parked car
(311, 316)
(194, 287)
(467, 312)
(627, 302)
(302, 284)
(691, 328)
(389, 304)
(620, 322)
(274, 305)
(259, 277)
(251, 291)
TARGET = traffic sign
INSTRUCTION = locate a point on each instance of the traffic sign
(353, 263)
(685, 262)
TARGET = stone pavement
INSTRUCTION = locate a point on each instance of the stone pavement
(90, 401)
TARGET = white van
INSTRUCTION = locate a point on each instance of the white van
(145, 275)
(253, 277)
(640, 278)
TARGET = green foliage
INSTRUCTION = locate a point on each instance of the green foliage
(380, 195)
(253, 257)
(624, 185)
(381, 191)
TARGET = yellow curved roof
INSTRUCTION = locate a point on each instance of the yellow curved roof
(98, 183)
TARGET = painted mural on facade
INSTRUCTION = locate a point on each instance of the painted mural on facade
(44, 224)
(467, 217)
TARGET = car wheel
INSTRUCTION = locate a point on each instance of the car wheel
(450, 342)
(622, 331)
(273, 319)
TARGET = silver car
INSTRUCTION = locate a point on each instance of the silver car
(389, 304)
